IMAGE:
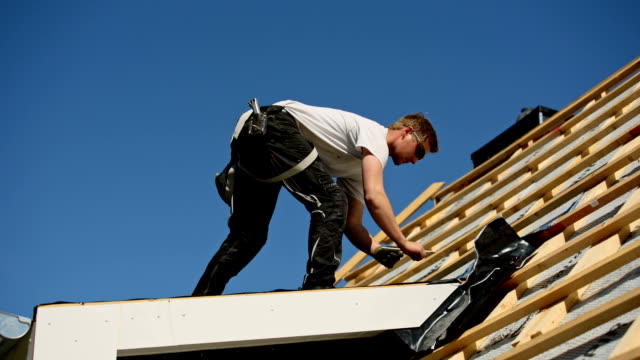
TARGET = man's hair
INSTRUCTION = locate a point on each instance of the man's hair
(421, 126)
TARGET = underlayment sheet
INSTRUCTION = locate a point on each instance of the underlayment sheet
(520, 213)
(464, 200)
(435, 231)
(399, 269)
(434, 267)
(500, 189)
(552, 216)
(499, 252)
(469, 227)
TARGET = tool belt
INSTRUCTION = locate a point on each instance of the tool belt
(279, 153)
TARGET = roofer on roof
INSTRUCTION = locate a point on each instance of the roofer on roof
(303, 148)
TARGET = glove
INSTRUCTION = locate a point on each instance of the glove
(387, 256)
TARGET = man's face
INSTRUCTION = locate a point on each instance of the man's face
(409, 149)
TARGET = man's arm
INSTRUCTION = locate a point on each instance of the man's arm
(380, 209)
(355, 230)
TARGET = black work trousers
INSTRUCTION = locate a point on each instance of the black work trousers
(252, 207)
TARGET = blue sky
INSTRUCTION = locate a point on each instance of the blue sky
(116, 115)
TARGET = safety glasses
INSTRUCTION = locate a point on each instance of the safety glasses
(420, 151)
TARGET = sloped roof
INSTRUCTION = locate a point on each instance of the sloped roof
(576, 177)
(571, 186)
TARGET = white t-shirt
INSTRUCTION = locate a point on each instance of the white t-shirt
(339, 136)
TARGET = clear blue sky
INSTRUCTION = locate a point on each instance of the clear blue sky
(115, 116)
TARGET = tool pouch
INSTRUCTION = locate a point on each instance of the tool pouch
(278, 154)
(224, 182)
(275, 155)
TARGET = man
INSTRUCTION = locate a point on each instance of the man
(303, 148)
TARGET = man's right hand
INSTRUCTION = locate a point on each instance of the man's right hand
(413, 250)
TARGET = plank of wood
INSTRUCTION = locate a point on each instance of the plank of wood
(581, 212)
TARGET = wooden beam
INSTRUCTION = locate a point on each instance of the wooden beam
(534, 162)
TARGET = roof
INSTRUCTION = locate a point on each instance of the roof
(569, 187)
(572, 182)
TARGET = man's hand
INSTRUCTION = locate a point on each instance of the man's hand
(414, 250)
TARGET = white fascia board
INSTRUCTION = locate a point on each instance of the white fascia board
(141, 327)
(76, 331)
